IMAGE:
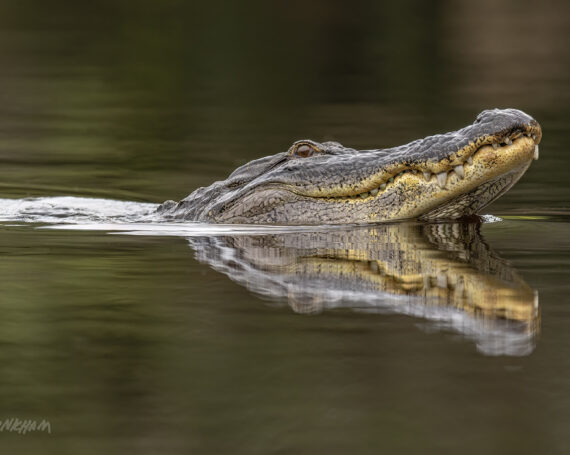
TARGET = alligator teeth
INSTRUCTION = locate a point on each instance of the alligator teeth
(534, 137)
(391, 179)
(374, 192)
(363, 195)
(470, 160)
(495, 145)
(442, 179)
(459, 171)
(535, 152)
(383, 186)
(508, 141)
(427, 176)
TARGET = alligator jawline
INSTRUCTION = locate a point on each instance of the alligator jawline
(503, 145)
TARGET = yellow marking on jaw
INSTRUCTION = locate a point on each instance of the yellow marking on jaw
(444, 165)
(488, 164)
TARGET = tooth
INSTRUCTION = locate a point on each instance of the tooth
(459, 171)
(470, 160)
(427, 176)
(383, 186)
(495, 145)
(363, 195)
(536, 152)
(374, 192)
(534, 137)
(508, 141)
(391, 179)
(441, 179)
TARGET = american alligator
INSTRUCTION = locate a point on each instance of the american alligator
(444, 272)
(446, 176)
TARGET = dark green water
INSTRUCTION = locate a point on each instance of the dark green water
(130, 343)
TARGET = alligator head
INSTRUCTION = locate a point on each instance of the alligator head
(445, 176)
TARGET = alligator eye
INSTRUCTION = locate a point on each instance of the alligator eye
(304, 151)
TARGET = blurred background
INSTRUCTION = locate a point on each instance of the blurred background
(128, 343)
(151, 99)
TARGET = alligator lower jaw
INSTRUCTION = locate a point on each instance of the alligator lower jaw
(489, 173)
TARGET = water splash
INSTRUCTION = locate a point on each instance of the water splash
(74, 210)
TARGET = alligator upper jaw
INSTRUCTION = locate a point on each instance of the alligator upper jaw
(477, 163)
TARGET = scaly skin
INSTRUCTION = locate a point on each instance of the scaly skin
(445, 176)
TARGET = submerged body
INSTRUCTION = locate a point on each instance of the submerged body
(445, 176)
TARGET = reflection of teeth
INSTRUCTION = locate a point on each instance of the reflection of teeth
(374, 192)
(535, 152)
(442, 179)
(427, 176)
(459, 288)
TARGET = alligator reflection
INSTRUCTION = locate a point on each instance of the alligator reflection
(445, 273)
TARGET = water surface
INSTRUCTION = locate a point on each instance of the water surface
(129, 334)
